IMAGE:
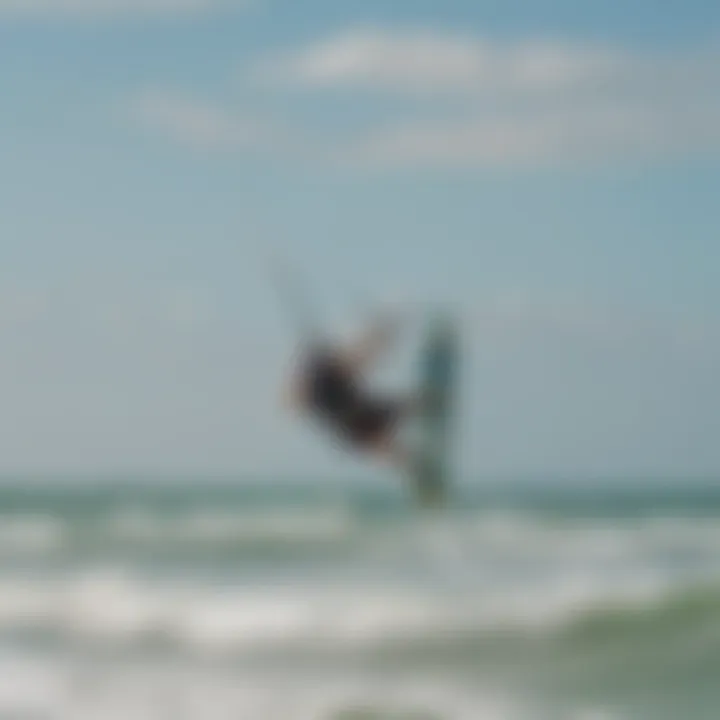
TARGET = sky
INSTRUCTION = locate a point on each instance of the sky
(549, 170)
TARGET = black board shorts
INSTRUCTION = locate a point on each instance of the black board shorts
(370, 421)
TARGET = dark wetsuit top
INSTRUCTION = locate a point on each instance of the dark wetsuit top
(331, 388)
(335, 397)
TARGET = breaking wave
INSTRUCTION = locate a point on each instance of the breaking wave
(113, 607)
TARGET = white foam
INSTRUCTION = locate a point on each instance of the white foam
(118, 608)
(76, 689)
(31, 687)
(508, 572)
(217, 526)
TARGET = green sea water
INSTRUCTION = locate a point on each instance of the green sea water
(309, 599)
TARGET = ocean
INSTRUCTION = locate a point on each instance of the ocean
(302, 599)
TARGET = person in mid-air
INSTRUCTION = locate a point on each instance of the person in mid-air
(329, 386)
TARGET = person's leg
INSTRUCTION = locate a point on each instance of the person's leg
(374, 431)
(398, 409)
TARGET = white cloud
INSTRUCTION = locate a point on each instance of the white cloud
(192, 122)
(527, 102)
(560, 136)
(490, 104)
(105, 8)
(426, 61)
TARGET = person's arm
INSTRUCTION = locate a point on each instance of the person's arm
(374, 342)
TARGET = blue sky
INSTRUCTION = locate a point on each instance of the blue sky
(551, 169)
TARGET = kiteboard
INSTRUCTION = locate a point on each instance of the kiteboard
(438, 374)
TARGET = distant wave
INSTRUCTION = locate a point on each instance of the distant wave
(485, 537)
(134, 529)
(484, 533)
